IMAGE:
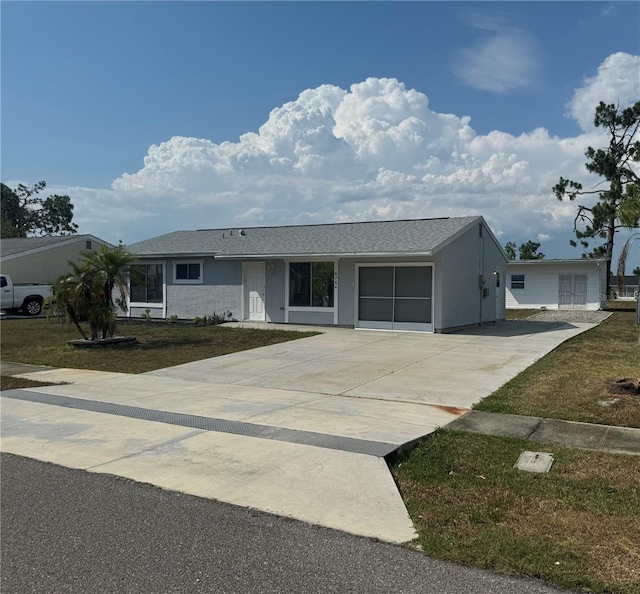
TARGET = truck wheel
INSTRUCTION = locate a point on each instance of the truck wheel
(32, 306)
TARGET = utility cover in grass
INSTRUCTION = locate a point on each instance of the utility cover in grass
(534, 462)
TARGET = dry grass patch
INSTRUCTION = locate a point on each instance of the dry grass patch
(8, 382)
(576, 526)
(572, 381)
(519, 314)
(43, 342)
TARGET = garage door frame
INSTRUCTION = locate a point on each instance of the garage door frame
(393, 325)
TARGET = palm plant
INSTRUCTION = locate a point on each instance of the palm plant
(87, 294)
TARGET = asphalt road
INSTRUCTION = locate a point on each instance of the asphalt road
(71, 531)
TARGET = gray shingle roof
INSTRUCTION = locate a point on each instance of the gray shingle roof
(393, 237)
(628, 279)
(16, 245)
(11, 246)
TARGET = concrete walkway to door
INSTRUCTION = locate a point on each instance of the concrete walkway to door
(298, 429)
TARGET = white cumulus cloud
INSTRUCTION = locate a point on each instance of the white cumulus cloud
(617, 81)
(373, 151)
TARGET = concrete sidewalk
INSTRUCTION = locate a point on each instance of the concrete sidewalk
(589, 436)
(299, 429)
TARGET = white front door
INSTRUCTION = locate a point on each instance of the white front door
(254, 289)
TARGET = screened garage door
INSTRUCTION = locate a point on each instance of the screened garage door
(395, 297)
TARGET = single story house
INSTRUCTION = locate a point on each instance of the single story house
(631, 286)
(557, 284)
(43, 260)
(433, 275)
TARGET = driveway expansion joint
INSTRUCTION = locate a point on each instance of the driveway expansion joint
(309, 438)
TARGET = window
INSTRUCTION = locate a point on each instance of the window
(187, 273)
(87, 244)
(146, 283)
(311, 284)
(3, 282)
(517, 281)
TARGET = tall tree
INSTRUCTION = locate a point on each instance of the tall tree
(25, 213)
(618, 203)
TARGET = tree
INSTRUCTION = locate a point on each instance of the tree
(24, 213)
(618, 203)
(529, 251)
(87, 294)
(622, 262)
(510, 249)
(636, 271)
(526, 251)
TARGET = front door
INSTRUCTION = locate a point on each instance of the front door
(254, 290)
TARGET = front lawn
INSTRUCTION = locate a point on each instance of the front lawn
(572, 382)
(43, 342)
(576, 526)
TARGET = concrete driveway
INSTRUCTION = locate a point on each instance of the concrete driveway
(299, 429)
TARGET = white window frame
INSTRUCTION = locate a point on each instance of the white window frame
(518, 288)
(188, 281)
(163, 305)
(288, 308)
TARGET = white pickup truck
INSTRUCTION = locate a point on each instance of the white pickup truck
(27, 297)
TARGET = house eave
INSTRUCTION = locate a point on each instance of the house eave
(287, 256)
(161, 255)
(550, 262)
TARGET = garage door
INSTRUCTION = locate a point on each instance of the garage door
(398, 297)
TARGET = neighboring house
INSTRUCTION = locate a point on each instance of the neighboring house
(557, 284)
(430, 274)
(43, 259)
(631, 286)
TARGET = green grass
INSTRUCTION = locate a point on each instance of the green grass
(43, 342)
(571, 381)
(577, 526)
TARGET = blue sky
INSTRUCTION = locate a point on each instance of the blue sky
(89, 87)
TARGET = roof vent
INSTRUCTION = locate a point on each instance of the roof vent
(242, 232)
